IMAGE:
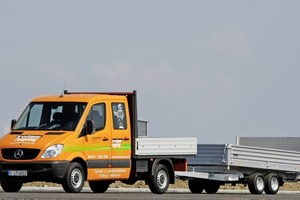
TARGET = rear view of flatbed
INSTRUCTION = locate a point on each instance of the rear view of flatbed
(262, 169)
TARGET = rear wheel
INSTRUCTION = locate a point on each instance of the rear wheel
(271, 184)
(159, 182)
(11, 186)
(256, 183)
(99, 186)
(74, 178)
(196, 186)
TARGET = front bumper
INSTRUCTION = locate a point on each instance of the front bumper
(38, 171)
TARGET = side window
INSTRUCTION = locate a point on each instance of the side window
(119, 116)
(97, 114)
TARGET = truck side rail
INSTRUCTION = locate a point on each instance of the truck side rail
(180, 146)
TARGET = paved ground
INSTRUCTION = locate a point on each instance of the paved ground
(142, 193)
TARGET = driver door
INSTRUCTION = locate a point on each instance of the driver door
(97, 146)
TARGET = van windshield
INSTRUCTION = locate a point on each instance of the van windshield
(50, 116)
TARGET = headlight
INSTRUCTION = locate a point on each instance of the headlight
(52, 151)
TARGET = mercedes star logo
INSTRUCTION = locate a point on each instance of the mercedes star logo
(18, 154)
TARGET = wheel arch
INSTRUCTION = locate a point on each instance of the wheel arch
(83, 164)
(80, 158)
(169, 165)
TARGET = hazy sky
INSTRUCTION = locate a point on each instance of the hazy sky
(208, 69)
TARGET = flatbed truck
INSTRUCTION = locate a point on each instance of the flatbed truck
(88, 136)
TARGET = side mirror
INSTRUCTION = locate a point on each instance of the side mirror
(12, 123)
(89, 127)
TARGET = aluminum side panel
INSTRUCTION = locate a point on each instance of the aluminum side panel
(227, 157)
(209, 155)
(209, 158)
(166, 146)
(263, 158)
(283, 143)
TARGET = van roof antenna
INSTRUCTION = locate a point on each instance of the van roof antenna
(64, 90)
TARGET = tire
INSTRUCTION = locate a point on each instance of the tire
(271, 183)
(74, 178)
(159, 182)
(11, 186)
(130, 181)
(99, 186)
(256, 183)
(211, 187)
(196, 186)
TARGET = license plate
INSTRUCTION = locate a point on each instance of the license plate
(17, 173)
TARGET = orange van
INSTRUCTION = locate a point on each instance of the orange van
(87, 136)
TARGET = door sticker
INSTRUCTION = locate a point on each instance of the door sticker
(120, 116)
(116, 143)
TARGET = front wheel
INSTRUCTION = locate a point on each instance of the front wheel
(11, 186)
(74, 178)
(159, 182)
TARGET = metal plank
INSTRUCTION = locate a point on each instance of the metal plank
(283, 143)
(209, 154)
(166, 146)
(264, 158)
(228, 157)
(210, 176)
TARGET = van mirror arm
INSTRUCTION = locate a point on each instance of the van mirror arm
(12, 123)
(90, 127)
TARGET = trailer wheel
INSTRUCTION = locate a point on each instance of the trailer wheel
(256, 183)
(74, 178)
(11, 186)
(99, 186)
(271, 184)
(211, 187)
(196, 186)
(159, 182)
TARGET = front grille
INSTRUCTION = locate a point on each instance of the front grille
(22, 154)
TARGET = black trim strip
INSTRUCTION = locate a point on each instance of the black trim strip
(55, 133)
(107, 163)
(120, 163)
(15, 133)
(98, 163)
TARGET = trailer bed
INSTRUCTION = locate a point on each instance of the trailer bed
(229, 157)
(262, 169)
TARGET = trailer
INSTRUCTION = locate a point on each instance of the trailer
(262, 163)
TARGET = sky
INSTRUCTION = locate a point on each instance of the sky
(207, 69)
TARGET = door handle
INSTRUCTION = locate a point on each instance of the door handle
(105, 139)
(126, 138)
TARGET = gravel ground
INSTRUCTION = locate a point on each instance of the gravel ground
(179, 184)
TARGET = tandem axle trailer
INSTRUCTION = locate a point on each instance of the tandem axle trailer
(262, 163)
